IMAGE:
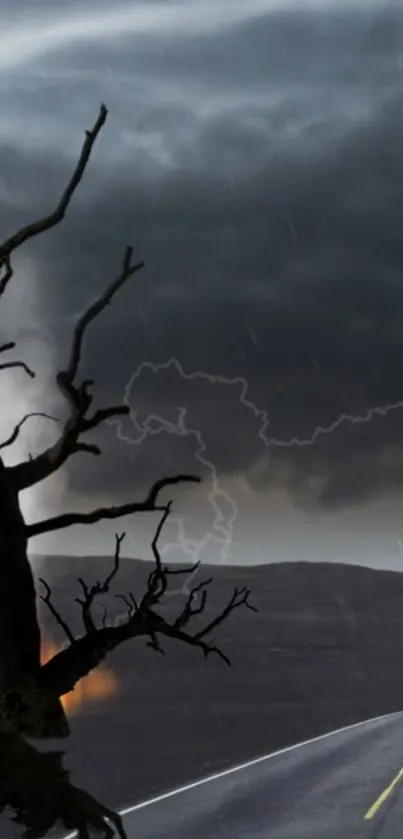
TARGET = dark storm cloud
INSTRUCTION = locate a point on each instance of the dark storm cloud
(266, 199)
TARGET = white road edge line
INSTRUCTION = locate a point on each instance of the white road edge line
(245, 765)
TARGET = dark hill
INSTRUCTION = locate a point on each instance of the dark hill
(325, 650)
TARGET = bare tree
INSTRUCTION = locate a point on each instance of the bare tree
(30, 692)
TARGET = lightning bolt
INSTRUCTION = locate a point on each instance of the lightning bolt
(380, 410)
(223, 523)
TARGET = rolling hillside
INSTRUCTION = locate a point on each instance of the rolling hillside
(325, 649)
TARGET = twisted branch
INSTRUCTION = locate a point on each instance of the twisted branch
(14, 434)
(149, 504)
(90, 594)
(62, 672)
(55, 217)
(78, 396)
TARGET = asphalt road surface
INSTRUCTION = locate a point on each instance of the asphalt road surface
(344, 785)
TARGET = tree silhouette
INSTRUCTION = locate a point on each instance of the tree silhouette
(35, 784)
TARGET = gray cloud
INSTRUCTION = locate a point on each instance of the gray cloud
(258, 172)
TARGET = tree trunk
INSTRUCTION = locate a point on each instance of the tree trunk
(32, 711)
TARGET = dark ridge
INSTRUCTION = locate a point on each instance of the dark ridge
(325, 650)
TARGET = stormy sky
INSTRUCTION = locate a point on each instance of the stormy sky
(253, 157)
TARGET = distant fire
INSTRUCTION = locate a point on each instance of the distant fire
(99, 685)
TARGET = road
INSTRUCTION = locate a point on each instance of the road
(345, 785)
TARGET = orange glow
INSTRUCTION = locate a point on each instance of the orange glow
(99, 685)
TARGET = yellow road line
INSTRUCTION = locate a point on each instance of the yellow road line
(383, 796)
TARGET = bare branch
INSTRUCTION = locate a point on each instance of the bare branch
(90, 594)
(158, 579)
(54, 218)
(71, 664)
(36, 469)
(14, 434)
(79, 399)
(157, 586)
(103, 414)
(95, 309)
(130, 602)
(189, 609)
(47, 598)
(8, 365)
(66, 668)
(5, 261)
(147, 505)
(239, 598)
(8, 346)
(90, 448)
(104, 616)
